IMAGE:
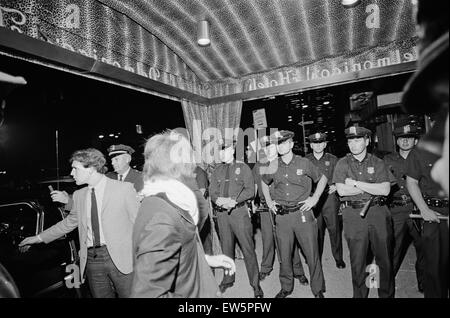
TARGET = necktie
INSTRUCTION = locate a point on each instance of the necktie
(94, 220)
(226, 188)
(120, 177)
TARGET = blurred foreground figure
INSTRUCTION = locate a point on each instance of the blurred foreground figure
(169, 260)
(427, 92)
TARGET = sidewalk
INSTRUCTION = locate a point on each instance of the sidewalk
(338, 281)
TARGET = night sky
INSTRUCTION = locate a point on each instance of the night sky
(80, 109)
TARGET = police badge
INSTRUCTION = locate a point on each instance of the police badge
(370, 170)
(299, 172)
(238, 171)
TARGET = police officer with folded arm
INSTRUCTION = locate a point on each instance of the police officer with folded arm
(362, 180)
(292, 202)
(405, 229)
(232, 185)
(328, 207)
(268, 164)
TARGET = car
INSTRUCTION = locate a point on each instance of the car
(40, 270)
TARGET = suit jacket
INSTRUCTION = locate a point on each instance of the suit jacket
(134, 176)
(169, 260)
(119, 209)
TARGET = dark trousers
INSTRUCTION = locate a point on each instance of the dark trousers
(105, 280)
(238, 225)
(373, 232)
(435, 250)
(268, 242)
(327, 218)
(289, 228)
(206, 236)
(405, 232)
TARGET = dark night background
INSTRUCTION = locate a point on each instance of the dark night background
(81, 109)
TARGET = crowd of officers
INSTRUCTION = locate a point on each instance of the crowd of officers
(384, 205)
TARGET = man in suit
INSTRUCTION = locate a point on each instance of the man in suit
(104, 213)
(120, 159)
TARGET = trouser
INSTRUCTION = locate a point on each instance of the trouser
(289, 228)
(105, 280)
(327, 218)
(268, 242)
(374, 232)
(435, 249)
(405, 232)
(238, 225)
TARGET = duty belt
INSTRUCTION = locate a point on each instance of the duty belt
(360, 204)
(400, 201)
(436, 203)
(220, 209)
(286, 209)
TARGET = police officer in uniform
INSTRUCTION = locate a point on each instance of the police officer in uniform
(362, 181)
(120, 159)
(232, 185)
(292, 202)
(405, 229)
(267, 165)
(327, 209)
(426, 194)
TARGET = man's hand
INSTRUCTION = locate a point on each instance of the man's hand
(273, 206)
(26, 242)
(231, 203)
(60, 196)
(332, 189)
(350, 182)
(308, 204)
(430, 215)
(222, 261)
(221, 201)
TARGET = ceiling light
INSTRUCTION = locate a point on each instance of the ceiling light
(350, 3)
(203, 33)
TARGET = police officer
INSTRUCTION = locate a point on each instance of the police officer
(405, 230)
(426, 194)
(232, 185)
(327, 209)
(266, 165)
(291, 200)
(120, 159)
(362, 180)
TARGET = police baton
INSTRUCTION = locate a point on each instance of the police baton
(366, 207)
(237, 197)
(418, 216)
(274, 232)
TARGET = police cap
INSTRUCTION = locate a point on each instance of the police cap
(407, 131)
(357, 132)
(116, 150)
(281, 136)
(317, 137)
